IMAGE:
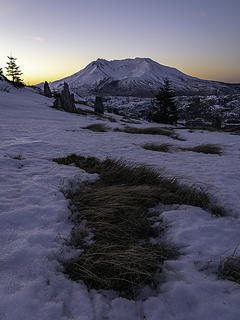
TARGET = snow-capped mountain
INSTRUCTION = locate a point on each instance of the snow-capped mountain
(137, 77)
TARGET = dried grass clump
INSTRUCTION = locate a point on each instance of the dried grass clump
(111, 119)
(117, 267)
(151, 130)
(230, 269)
(97, 127)
(117, 213)
(89, 164)
(131, 121)
(211, 129)
(119, 172)
(234, 130)
(121, 256)
(164, 147)
(113, 171)
(205, 148)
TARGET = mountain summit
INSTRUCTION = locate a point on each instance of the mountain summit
(137, 77)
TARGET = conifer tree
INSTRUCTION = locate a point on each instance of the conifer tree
(13, 71)
(164, 108)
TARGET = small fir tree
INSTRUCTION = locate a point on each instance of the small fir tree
(164, 108)
(13, 71)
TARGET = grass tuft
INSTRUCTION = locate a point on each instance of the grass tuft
(121, 255)
(151, 130)
(229, 269)
(130, 121)
(164, 147)
(119, 172)
(205, 148)
(234, 130)
(89, 164)
(97, 127)
(113, 171)
(111, 119)
(211, 129)
(117, 267)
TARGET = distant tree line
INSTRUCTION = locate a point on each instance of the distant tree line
(14, 72)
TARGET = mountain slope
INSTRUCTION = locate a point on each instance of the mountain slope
(137, 77)
(5, 84)
(36, 220)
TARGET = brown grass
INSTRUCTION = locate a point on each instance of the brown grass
(151, 130)
(130, 121)
(234, 130)
(205, 148)
(122, 257)
(164, 147)
(119, 268)
(97, 127)
(229, 269)
(211, 129)
(118, 172)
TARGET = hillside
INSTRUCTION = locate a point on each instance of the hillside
(36, 223)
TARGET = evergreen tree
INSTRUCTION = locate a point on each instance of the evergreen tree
(1, 71)
(13, 71)
(164, 108)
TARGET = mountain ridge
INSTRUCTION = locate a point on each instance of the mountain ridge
(137, 77)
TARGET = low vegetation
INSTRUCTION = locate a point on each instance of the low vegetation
(151, 130)
(122, 256)
(230, 269)
(111, 119)
(202, 148)
(211, 129)
(164, 147)
(130, 121)
(205, 148)
(97, 127)
(117, 267)
(234, 130)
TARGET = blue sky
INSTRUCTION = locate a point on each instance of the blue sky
(56, 38)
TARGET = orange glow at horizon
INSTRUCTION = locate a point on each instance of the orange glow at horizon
(30, 77)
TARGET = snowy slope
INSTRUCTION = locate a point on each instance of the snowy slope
(136, 77)
(34, 218)
(5, 85)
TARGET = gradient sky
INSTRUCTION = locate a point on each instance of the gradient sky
(56, 38)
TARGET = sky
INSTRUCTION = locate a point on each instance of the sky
(52, 39)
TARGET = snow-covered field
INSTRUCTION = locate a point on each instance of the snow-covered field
(34, 218)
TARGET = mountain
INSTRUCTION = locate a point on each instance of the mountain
(137, 77)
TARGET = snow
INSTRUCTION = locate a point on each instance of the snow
(4, 85)
(122, 69)
(34, 218)
(139, 77)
